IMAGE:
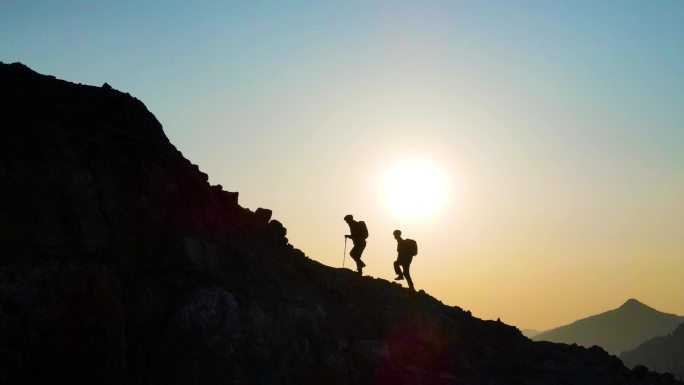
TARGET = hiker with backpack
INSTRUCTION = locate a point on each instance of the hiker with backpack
(406, 250)
(359, 233)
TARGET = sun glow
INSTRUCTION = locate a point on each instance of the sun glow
(414, 188)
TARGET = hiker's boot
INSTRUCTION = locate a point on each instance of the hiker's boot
(399, 277)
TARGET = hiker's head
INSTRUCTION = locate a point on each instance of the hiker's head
(348, 218)
(397, 234)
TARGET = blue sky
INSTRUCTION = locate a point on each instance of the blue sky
(559, 122)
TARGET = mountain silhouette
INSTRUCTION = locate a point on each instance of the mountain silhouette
(661, 354)
(616, 330)
(121, 264)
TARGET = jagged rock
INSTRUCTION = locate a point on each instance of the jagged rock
(264, 215)
(120, 264)
(277, 228)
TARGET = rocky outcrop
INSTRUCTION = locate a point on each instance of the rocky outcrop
(120, 264)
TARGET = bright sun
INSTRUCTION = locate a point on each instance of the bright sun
(414, 188)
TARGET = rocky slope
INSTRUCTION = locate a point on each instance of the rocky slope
(662, 354)
(120, 264)
(616, 330)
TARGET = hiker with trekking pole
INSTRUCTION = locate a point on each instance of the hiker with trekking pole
(358, 234)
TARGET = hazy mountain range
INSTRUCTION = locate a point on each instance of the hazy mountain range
(616, 330)
(662, 354)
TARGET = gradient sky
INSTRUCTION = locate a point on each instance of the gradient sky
(560, 126)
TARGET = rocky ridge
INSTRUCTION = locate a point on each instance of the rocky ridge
(120, 264)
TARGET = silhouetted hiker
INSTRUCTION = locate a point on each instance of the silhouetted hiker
(406, 250)
(359, 233)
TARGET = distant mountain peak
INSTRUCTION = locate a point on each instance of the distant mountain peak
(633, 302)
(615, 330)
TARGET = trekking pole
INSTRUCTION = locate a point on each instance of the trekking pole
(344, 253)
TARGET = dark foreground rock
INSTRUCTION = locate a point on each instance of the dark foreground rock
(120, 264)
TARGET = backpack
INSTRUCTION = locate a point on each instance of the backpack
(363, 230)
(410, 247)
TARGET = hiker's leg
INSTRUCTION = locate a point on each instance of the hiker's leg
(397, 269)
(360, 247)
(407, 275)
(354, 252)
